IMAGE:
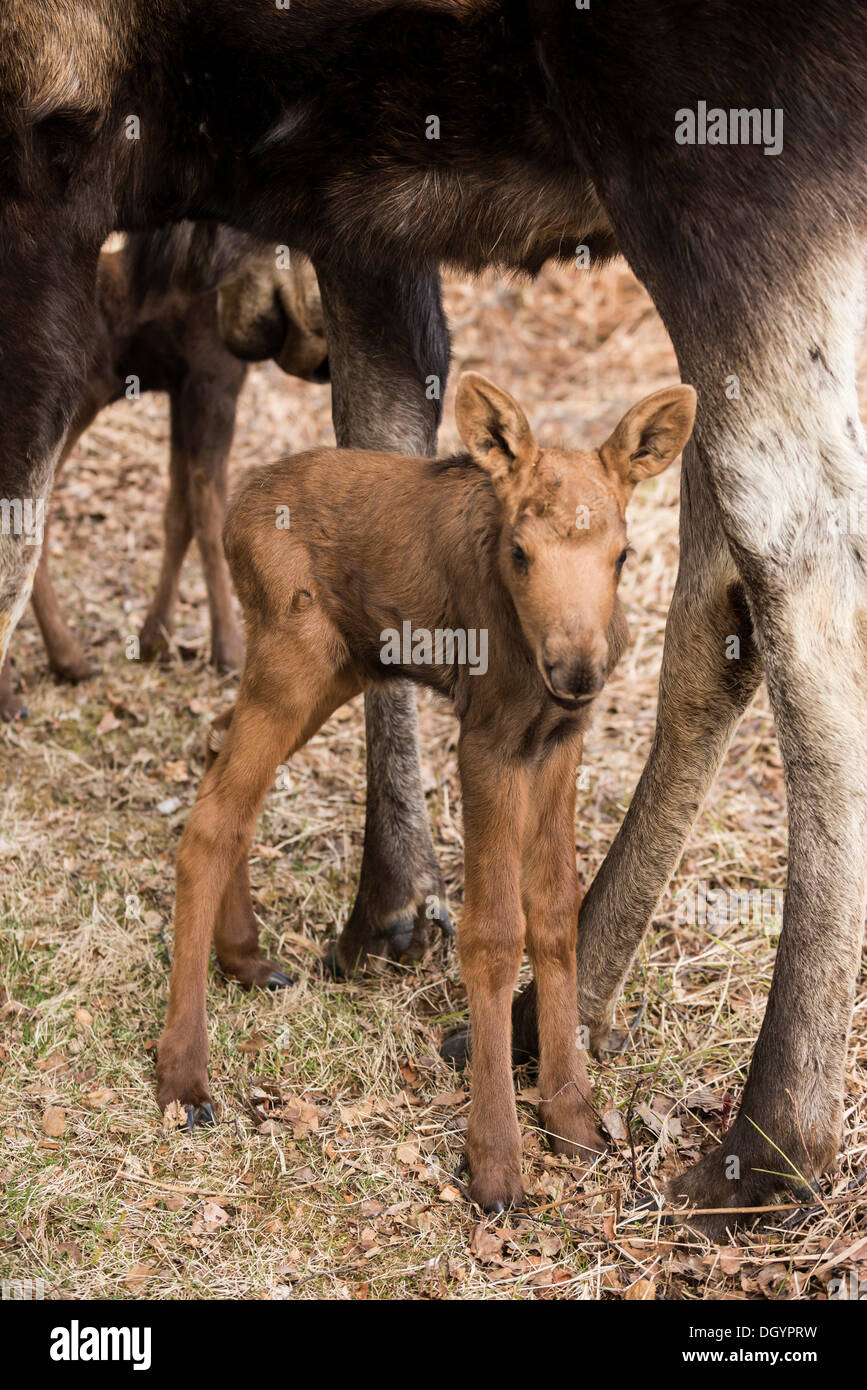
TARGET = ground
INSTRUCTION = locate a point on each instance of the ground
(330, 1173)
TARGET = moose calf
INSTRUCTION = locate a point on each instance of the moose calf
(181, 312)
(523, 544)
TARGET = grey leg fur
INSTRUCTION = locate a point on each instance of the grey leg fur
(387, 341)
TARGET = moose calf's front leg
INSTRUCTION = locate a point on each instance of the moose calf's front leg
(549, 884)
(490, 942)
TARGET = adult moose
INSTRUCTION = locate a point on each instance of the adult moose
(311, 126)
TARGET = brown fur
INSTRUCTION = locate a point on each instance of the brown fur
(484, 541)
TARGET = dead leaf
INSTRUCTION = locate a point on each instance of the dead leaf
(449, 1098)
(83, 1020)
(53, 1062)
(212, 1219)
(703, 1099)
(613, 1122)
(108, 723)
(730, 1260)
(776, 1281)
(642, 1291)
(486, 1246)
(98, 1100)
(54, 1121)
(138, 1274)
(301, 1115)
(174, 1116)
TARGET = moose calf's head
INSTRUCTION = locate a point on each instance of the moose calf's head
(563, 536)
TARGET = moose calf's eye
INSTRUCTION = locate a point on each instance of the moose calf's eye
(519, 557)
(621, 559)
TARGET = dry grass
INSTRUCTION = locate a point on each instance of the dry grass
(330, 1174)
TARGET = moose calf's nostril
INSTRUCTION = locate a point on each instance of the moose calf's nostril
(574, 679)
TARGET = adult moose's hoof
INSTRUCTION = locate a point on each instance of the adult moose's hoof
(71, 666)
(457, 1048)
(405, 939)
(11, 708)
(408, 938)
(227, 652)
(745, 1177)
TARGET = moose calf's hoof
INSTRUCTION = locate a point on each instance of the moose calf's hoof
(256, 970)
(573, 1132)
(496, 1192)
(202, 1115)
(278, 979)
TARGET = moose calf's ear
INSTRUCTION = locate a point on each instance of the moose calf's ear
(651, 435)
(493, 426)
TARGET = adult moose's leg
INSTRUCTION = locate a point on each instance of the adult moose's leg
(388, 352)
(46, 289)
(788, 467)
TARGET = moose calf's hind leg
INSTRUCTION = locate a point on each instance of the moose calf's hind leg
(217, 834)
